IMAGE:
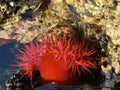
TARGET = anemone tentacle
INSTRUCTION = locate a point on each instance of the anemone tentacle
(76, 56)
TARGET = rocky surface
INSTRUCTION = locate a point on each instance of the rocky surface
(99, 19)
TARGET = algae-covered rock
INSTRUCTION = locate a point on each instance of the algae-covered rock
(97, 19)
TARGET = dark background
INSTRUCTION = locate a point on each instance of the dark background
(7, 58)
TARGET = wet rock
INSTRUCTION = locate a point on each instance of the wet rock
(17, 81)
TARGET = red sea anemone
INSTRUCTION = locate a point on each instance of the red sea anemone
(57, 59)
(30, 57)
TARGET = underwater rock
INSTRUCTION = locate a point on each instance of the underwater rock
(17, 81)
(11, 11)
(98, 18)
(5, 41)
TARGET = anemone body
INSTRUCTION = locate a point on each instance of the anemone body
(57, 59)
(52, 71)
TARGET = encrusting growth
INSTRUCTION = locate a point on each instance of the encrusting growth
(57, 59)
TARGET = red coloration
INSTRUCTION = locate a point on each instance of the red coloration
(30, 57)
(55, 58)
(53, 71)
(82, 60)
(76, 56)
(28, 67)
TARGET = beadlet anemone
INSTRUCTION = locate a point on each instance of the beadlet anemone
(57, 60)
